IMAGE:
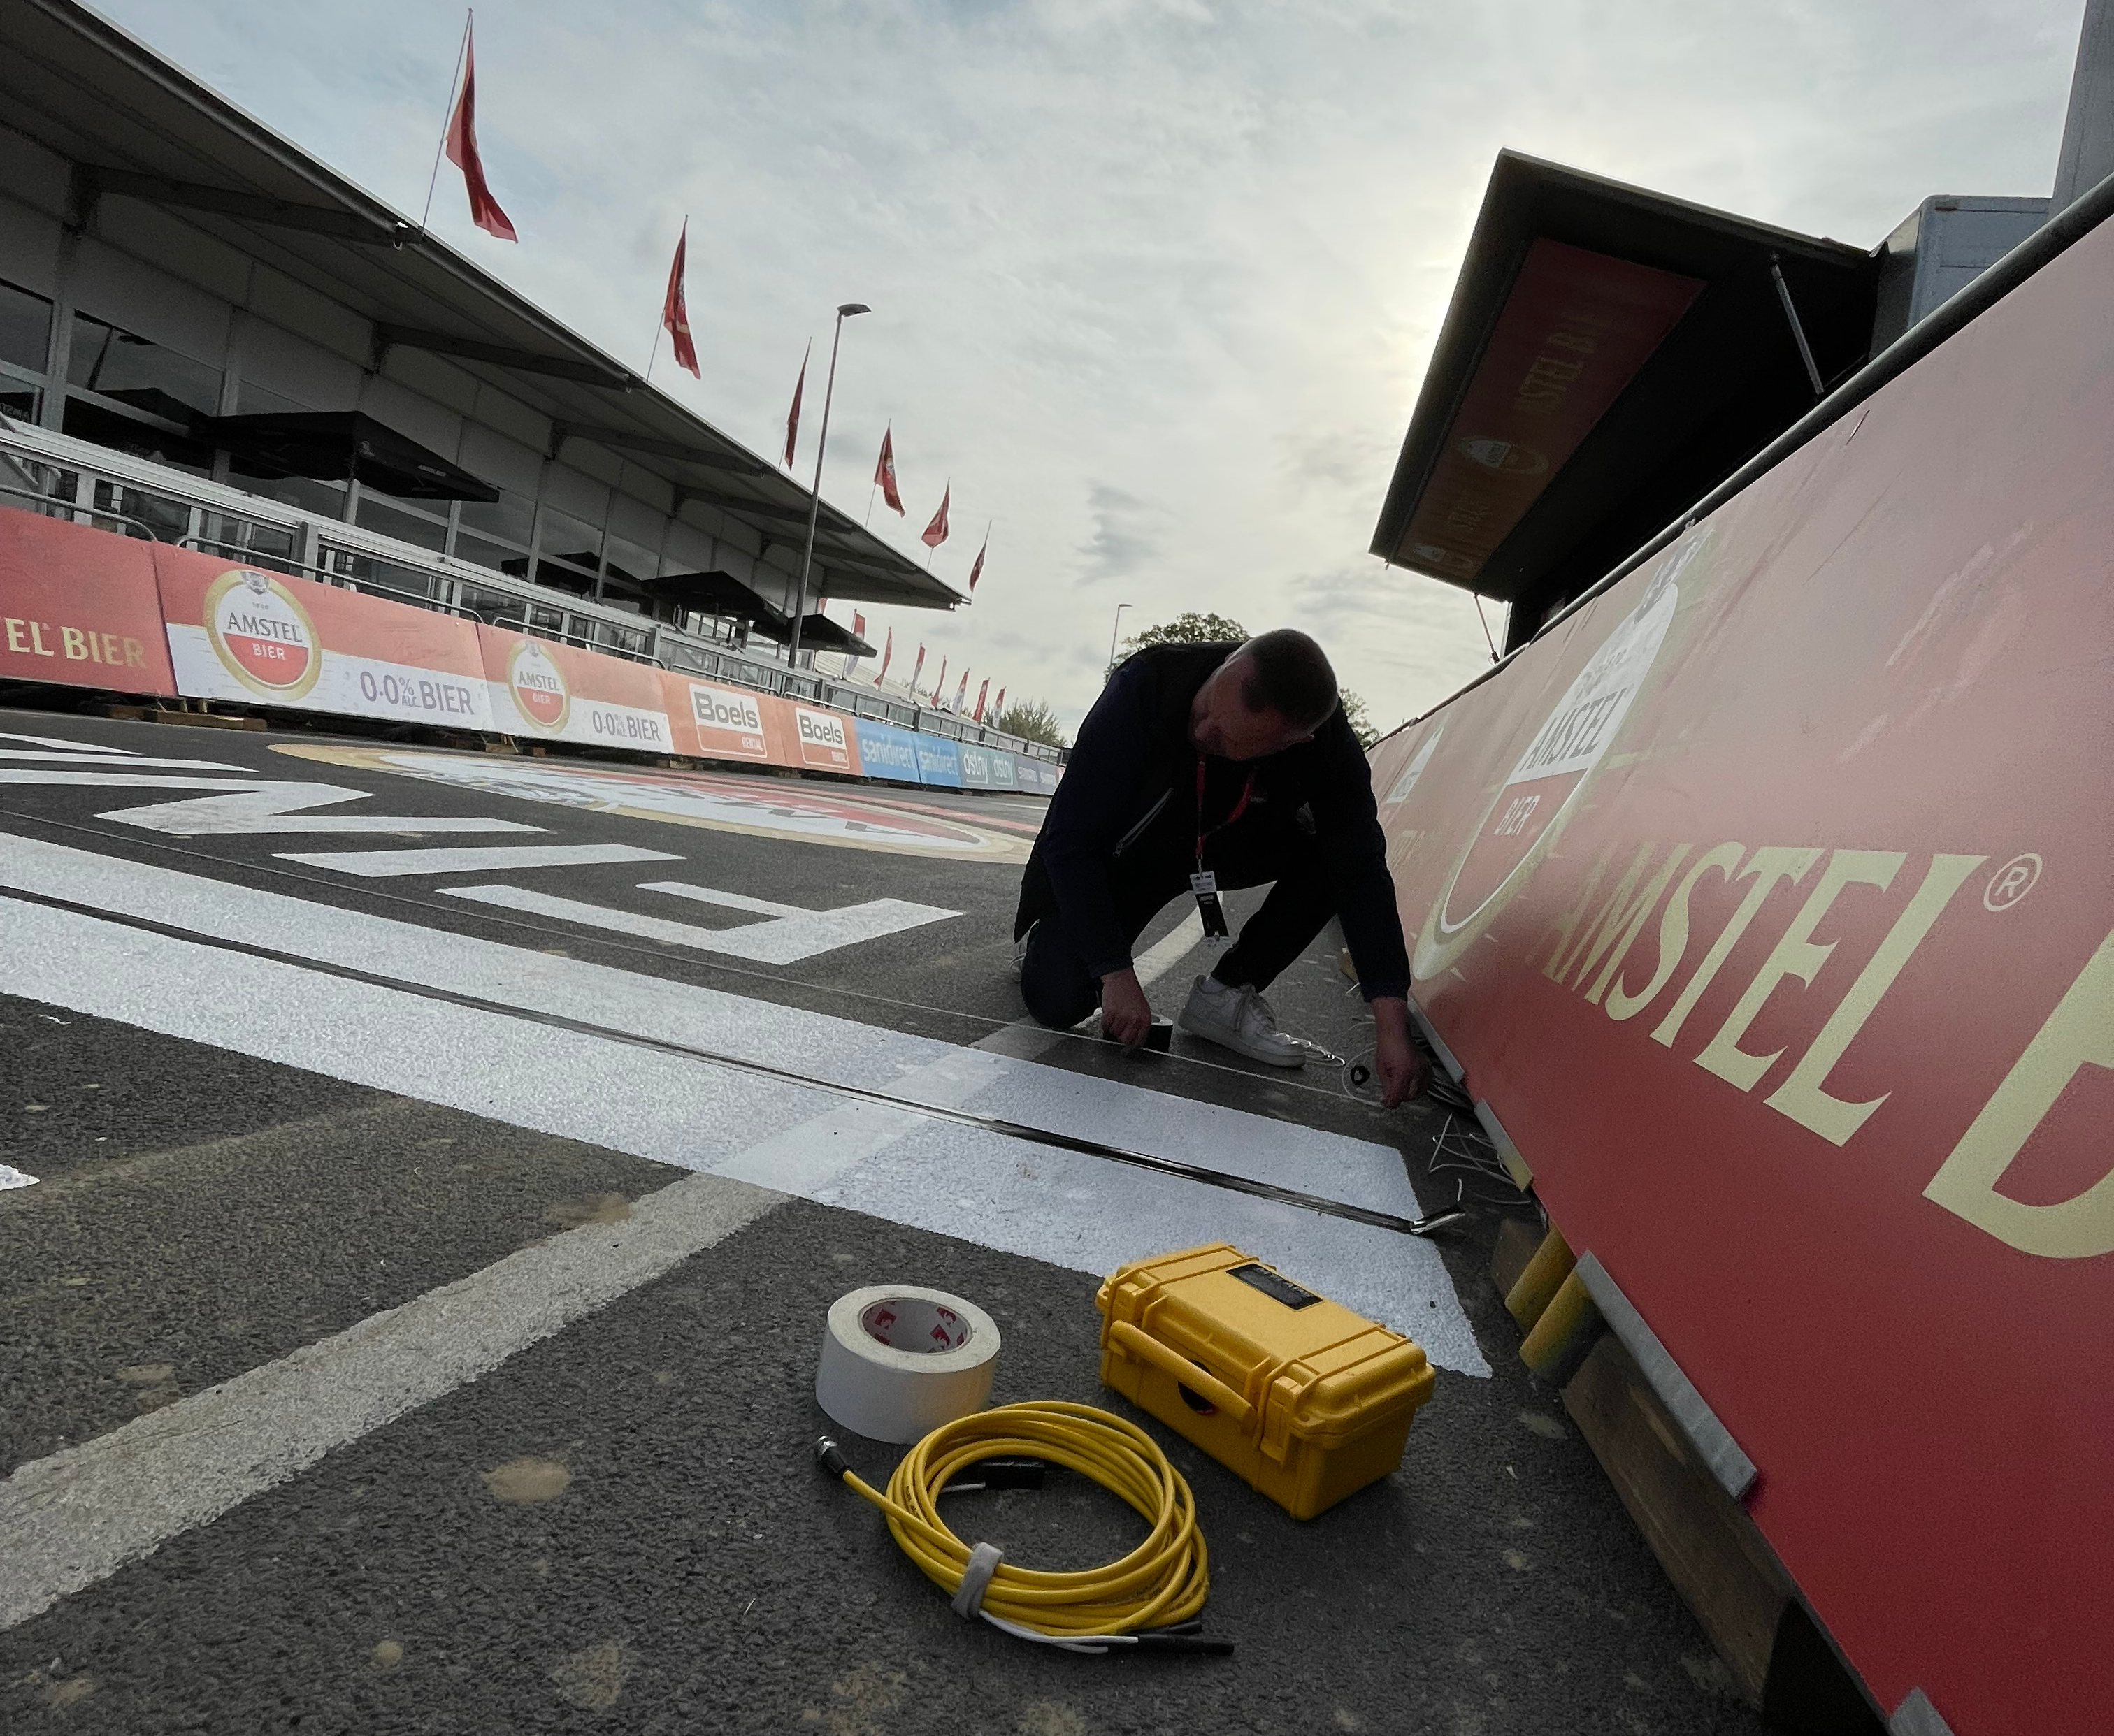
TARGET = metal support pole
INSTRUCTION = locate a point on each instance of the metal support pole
(1797, 331)
(1114, 630)
(815, 504)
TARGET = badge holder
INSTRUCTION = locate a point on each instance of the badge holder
(1217, 935)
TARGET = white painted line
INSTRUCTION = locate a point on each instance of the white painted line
(81, 1515)
(56, 740)
(93, 757)
(252, 809)
(471, 858)
(783, 941)
(1009, 1194)
(1164, 955)
(725, 900)
(10, 1176)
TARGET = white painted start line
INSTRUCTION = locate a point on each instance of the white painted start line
(471, 858)
(1009, 1193)
(248, 806)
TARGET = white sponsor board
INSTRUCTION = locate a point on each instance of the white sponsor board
(334, 681)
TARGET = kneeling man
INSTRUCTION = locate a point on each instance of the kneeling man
(1200, 769)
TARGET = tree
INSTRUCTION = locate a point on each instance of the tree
(1359, 719)
(1191, 628)
(1032, 720)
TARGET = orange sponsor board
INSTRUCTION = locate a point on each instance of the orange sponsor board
(559, 693)
(78, 607)
(717, 720)
(1766, 900)
(239, 633)
(823, 739)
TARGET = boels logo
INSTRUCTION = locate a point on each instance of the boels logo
(820, 729)
(715, 708)
(263, 637)
(539, 690)
(1522, 821)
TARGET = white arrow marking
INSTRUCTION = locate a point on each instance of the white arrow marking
(53, 741)
(783, 941)
(98, 756)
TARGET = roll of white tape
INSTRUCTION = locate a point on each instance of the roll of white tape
(899, 1360)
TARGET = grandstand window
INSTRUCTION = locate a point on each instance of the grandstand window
(490, 531)
(26, 334)
(416, 524)
(119, 365)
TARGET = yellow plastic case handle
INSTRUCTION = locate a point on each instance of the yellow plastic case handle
(1179, 1367)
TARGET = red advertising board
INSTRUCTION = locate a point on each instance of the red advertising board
(78, 607)
(823, 740)
(549, 691)
(1574, 329)
(718, 720)
(1769, 901)
(258, 637)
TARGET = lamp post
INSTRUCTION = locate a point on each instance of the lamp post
(1114, 630)
(814, 506)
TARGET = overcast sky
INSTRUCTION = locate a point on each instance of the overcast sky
(1155, 281)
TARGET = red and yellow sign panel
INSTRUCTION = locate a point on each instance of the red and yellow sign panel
(1573, 332)
(1768, 901)
(78, 607)
(546, 691)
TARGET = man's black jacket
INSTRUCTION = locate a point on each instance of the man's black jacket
(1129, 797)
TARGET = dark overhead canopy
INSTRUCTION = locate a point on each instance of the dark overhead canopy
(719, 594)
(1610, 354)
(136, 128)
(818, 633)
(334, 445)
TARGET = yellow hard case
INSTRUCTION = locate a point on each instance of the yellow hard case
(1305, 1399)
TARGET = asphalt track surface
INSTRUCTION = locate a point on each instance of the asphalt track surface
(375, 1361)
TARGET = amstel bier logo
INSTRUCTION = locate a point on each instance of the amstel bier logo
(539, 690)
(262, 636)
(1522, 822)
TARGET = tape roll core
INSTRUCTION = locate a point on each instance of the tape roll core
(899, 1360)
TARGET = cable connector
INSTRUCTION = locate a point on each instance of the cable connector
(830, 1457)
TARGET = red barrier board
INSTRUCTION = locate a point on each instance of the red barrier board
(823, 739)
(717, 720)
(1767, 901)
(262, 638)
(78, 607)
(551, 691)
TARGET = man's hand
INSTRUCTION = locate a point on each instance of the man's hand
(1125, 1014)
(1400, 1067)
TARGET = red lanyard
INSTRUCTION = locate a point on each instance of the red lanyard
(1240, 807)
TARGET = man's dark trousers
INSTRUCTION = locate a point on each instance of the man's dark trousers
(1054, 981)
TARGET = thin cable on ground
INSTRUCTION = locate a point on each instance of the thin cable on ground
(1161, 1584)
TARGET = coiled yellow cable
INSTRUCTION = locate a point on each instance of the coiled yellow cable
(1162, 1583)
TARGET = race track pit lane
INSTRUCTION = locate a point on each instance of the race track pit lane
(759, 806)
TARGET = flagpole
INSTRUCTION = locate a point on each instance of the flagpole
(844, 311)
(433, 179)
(660, 324)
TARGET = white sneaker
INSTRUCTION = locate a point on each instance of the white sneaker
(1020, 952)
(1240, 1020)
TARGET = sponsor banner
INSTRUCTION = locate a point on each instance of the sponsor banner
(715, 720)
(823, 740)
(1766, 900)
(261, 638)
(559, 693)
(78, 607)
(976, 765)
(886, 752)
(939, 762)
(1003, 773)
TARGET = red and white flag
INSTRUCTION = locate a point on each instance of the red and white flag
(940, 686)
(935, 533)
(976, 567)
(793, 415)
(675, 313)
(998, 705)
(887, 652)
(917, 668)
(961, 693)
(858, 627)
(884, 472)
(983, 693)
(484, 209)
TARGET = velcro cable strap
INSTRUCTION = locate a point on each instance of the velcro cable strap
(969, 1596)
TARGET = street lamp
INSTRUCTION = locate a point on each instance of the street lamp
(1114, 630)
(814, 506)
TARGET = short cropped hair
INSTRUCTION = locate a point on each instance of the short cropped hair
(1289, 673)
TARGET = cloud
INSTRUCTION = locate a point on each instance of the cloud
(1155, 281)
